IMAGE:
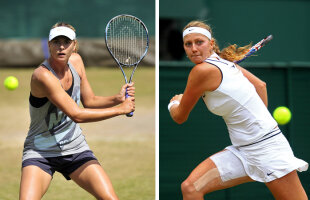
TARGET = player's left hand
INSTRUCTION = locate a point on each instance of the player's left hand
(130, 91)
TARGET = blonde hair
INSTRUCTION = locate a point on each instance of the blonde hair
(231, 53)
(58, 24)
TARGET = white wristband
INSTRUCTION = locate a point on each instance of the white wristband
(174, 102)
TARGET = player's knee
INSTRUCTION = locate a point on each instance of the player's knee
(107, 198)
(188, 187)
(110, 197)
(27, 197)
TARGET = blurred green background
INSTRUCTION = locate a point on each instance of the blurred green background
(284, 65)
(26, 24)
(34, 18)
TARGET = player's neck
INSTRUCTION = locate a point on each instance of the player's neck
(60, 67)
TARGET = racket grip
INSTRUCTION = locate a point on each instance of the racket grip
(131, 113)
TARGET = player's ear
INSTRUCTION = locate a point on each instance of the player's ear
(212, 43)
(75, 49)
(49, 47)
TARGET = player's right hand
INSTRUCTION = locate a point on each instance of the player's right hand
(129, 87)
(128, 105)
(177, 97)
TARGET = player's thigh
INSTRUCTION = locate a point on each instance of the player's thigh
(93, 179)
(34, 183)
(287, 187)
(207, 177)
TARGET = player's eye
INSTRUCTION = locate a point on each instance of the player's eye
(188, 44)
(199, 42)
(67, 42)
(56, 41)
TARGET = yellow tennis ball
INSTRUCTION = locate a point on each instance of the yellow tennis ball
(282, 115)
(11, 83)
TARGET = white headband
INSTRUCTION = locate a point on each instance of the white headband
(202, 31)
(62, 30)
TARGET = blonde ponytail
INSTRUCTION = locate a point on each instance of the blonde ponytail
(233, 52)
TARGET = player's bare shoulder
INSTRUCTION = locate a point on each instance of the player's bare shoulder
(77, 62)
(203, 69)
(75, 58)
(205, 76)
(40, 76)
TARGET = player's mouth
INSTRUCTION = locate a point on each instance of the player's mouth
(61, 54)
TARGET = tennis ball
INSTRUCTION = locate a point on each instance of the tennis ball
(11, 83)
(282, 115)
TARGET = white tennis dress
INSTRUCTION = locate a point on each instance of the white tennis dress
(262, 150)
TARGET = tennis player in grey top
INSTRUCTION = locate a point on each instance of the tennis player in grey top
(55, 141)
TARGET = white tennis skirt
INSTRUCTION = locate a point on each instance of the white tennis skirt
(268, 159)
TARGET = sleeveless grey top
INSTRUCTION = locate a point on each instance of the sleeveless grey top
(52, 133)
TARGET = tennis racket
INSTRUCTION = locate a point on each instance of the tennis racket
(255, 48)
(127, 40)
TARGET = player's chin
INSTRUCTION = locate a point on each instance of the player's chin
(62, 58)
(196, 60)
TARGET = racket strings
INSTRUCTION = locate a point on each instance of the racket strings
(127, 40)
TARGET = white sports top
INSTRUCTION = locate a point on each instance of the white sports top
(237, 101)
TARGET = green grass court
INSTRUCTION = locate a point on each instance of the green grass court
(124, 146)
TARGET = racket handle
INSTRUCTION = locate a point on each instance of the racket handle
(131, 113)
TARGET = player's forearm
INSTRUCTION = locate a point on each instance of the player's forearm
(102, 102)
(176, 115)
(260, 86)
(261, 90)
(83, 115)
